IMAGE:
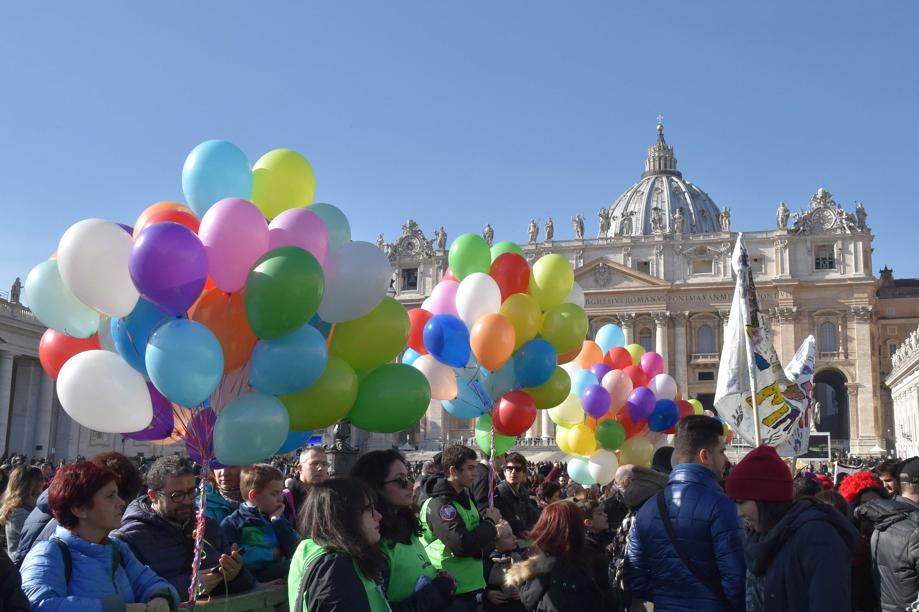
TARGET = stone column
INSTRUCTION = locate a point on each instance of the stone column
(44, 410)
(681, 355)
(865, 376)
(6, 400)
(785, 317)
(547, 427)
(627, 322)
(725, 316)
(662, 337)
(29, 372)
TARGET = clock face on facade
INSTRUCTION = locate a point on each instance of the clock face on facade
(824, 218)
(410, 245)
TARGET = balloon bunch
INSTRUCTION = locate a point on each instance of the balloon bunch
(491, 335)
(621, 404)
(238, 323)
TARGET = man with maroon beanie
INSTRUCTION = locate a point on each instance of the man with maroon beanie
(798, 553)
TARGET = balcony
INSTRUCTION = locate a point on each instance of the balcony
(829, 355)
(705, 358)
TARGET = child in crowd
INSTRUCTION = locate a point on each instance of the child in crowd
(265, 538)
(497, 596)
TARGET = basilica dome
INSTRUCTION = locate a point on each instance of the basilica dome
(663, 202)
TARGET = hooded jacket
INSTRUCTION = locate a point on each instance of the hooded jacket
(258, 537)
(805, 560)
(169, 548)
(894, 549)
(709, 529)
(217, 506)
(38, 527)
(549, 584)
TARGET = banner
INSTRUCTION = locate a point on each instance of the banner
(749, 362)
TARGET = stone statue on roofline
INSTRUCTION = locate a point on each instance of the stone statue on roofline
(488, 234)
(550, 230)
(781, 216)
(441, 236)
(578, 223)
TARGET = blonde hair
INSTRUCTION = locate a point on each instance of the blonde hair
(256, 477)
(503, 528)
(24, 480)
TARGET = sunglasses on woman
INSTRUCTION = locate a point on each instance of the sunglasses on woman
(403, 481)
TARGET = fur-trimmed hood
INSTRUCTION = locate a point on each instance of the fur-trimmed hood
(520, 573)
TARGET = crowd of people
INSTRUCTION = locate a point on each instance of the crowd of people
(463, 533)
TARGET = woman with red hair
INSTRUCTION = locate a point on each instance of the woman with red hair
(557, 576)
(80, 568)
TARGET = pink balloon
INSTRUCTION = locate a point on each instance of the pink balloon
(652, 363)
(443, 298)
(302, 228)
(235, 234)
(619, 385)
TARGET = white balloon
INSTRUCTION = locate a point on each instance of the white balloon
(663, 386)
(576, 295)
(356, 278)
(478, 295)
(427, 304)
(571, 367)
(99, 390)
(93, 257)
(441, 377)
(105, 334)
(602, 466)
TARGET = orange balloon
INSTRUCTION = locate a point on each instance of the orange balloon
(679, 393)
(208, 285)
(225, 315)
(492, 340)
(590, 354)
(159, 207)
(180, 417)
(569, 357)
(169, 216)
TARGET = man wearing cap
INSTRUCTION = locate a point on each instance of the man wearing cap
(895, 541)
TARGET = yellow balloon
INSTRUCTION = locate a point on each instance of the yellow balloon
(282, 179)
(569, 413)
(697, 406)
(636, 351)
(582, 440)
(551, 280)
(561, 440)
(637, 451)
(524, 314)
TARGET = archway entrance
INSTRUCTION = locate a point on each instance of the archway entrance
(830, 391)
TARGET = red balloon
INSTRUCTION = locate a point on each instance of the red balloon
(175, 216)
(631, 427)
(56, 348)
(618, 358)
(418, 318)
(685, 409)
(512, 273)
(514, 413)
(638, 376)
(448, 275)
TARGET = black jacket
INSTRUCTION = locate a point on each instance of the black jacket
(12, 599)
(480, 486)
(516, 507)
(547, 584)
(453, 533)
(894, 549)
(39, 526)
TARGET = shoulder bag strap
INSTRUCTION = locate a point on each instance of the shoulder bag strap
(65, 555)
(711, 584)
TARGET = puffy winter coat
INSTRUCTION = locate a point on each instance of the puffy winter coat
(258, 538)
(38, 527)
(711, 534)
(168, 549)
(92, 587)
(12, 598)
(894, 549)
(548, 584)
(516, 507)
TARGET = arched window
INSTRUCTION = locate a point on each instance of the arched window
(829, 341)
(705, 339)
(645, 339)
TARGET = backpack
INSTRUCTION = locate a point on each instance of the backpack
(68, 560)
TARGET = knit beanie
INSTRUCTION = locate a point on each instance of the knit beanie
(760, 476)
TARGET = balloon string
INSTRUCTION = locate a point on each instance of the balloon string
(491, 470)
(199, 534)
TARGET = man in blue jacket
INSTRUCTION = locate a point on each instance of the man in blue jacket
(702, 567)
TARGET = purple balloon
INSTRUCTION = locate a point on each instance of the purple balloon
(163, 422)
(600, 370)
(641, 403)
(169, 266)
(127, 228)
(596, 401)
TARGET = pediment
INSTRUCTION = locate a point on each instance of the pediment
(603, 273)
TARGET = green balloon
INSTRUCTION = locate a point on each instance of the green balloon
(374, 339)
(483, 437)
(469, 253)
(610, 435)
(392, 398)
(564, 327)
(505, 246)
(283, 291)
(324, 402)
(552, 392)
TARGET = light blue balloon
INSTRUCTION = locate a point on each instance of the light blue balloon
(55, 305)
(581, 379)
(471, 372)
(335, 221)
(409, 356)
(131, 333)
(290, 363)
(214, 170)
(610, 336)
(295, 439)
(501, 381)
(185, 362)
(468, 404)
(250, 429)
(578, 471)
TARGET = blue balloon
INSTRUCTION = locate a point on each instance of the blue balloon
(324, 327)
(581, 379)
(290, 363)
(335, 221)
(55, 305)
(130, 334)
(610, 336)
(471, 371)
(447, 340)
(409, 356)
(468, 403)
(665, 415)
(501, 381)
(535, 362)
(295, 440)
(185, 362)
(214, 170)
(249, 429)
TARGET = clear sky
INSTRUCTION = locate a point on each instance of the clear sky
(460, 113)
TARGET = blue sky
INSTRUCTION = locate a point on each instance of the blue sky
(460, 113)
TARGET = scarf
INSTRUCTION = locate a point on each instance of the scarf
(232, 495)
